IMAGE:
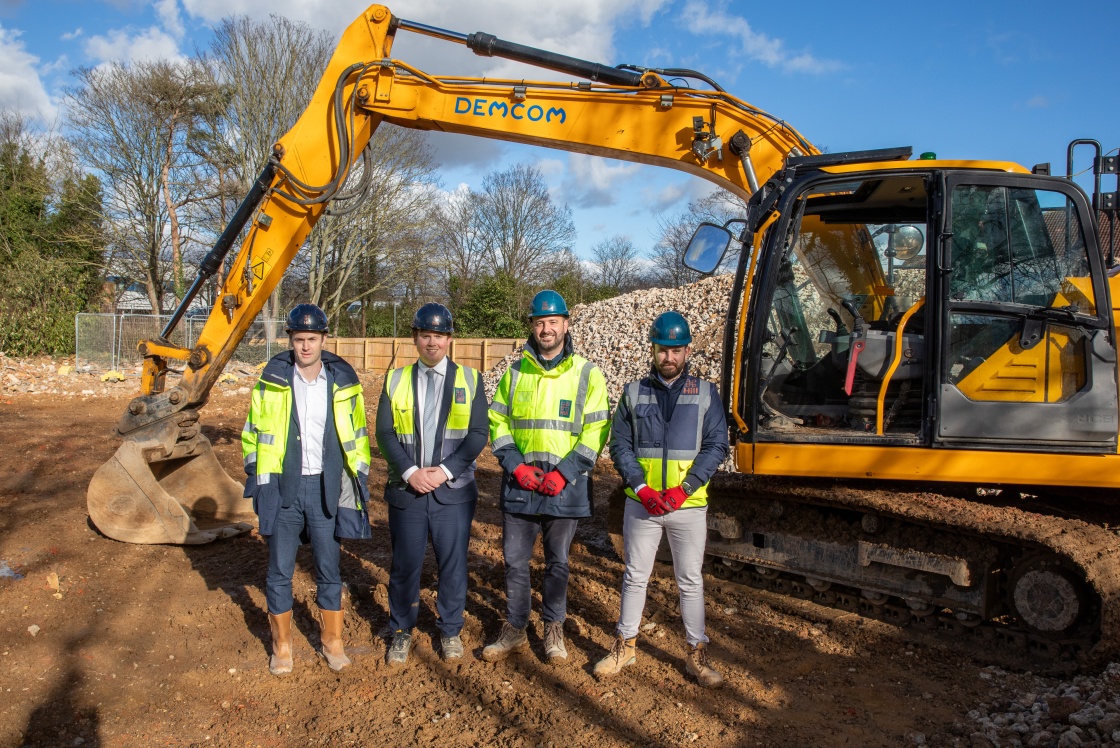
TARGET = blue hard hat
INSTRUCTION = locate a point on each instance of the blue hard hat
(307, 318)
(670, 329)
(434, 317)
(548, 303)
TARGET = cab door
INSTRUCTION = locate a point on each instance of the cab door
(1027, 358)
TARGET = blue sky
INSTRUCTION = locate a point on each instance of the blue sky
(996, 80)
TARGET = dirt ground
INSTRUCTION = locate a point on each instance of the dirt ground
(165, 645)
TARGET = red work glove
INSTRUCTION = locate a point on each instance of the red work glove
(651, 500)
(528, 477)
(674, 498)
(553, 483)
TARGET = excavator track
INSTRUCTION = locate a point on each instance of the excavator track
(985, 566)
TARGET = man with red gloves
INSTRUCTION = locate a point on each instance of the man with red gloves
(669, 436)
(548, 422)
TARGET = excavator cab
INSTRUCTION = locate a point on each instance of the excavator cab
(861, 329)
(851, 267)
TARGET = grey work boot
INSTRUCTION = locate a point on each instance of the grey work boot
(510, 640)
(699, 666)
(623, 653)
(399, 648)
(451, 647)
(554, 649)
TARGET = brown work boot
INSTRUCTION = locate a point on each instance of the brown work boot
(699, 666)
(554, 649)
(509, 641)
(281, 661)
(330, 636)
(623, 653)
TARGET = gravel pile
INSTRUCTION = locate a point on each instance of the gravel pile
(613, 333)
(1033, 711)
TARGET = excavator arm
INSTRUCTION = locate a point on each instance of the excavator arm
(164, 484)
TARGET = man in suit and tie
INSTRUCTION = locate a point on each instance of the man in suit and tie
(431, 426)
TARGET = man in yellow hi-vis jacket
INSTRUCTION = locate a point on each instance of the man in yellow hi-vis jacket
(548, 422)
(306, 450)
(431, 426)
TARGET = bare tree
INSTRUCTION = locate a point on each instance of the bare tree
(460, 243)
(130, 124)
(617, 261)
(668, 253)
(268, 71)
(520, 223)
(362, 248)
(675, 232)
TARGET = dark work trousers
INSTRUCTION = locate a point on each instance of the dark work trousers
(305, 512)
(519, 533)
(449, 527)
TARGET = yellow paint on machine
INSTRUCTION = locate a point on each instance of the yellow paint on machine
(926, 464)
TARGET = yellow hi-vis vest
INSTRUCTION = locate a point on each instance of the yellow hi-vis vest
(398, 386)
(548, 414)
(264, 440)
(666, 451)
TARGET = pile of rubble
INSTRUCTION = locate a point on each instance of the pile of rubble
(1041, 712)
(613, 333)
(60, 376)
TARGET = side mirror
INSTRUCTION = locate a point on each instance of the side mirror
(706, 248)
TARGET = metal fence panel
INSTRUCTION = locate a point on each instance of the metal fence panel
(108, 341)
(95, 341)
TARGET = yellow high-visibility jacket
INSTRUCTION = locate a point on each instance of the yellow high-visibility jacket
(553, 418)
(270, 445)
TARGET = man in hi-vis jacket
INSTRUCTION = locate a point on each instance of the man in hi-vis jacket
(668, 438)
(548, 423)
(306, 451)
(431, 426)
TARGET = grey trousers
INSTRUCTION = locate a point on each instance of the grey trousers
(687, 530)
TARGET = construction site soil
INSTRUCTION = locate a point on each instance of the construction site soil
(105, 643)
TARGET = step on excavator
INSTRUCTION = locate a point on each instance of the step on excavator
(919, 360)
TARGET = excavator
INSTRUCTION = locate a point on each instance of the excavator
(919, 362)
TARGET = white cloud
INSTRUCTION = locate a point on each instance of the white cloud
(677, 195)
(593, 182)
(168, 12)
(132, 44)
(62, 64)
(21, 88)
(69, 35)
(126, 45)
(756, 45)
(550, 168)
(578, 28)
(452, 149)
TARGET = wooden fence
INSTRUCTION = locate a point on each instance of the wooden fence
(383, 354)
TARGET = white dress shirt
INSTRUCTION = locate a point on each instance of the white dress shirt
(311, 410)
(422, 370)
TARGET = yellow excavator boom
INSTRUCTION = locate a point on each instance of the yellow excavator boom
(164, 484)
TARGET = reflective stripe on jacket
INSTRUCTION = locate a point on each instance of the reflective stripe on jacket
(265, 442)
(398, 387)
(555, 419)
(662, 455)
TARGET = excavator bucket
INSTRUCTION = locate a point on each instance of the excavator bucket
(161, 488)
